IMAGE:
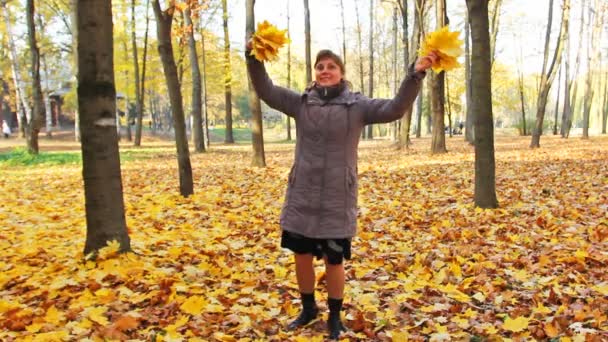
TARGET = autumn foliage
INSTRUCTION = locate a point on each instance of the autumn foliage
(427, 265)
(446, 45)
(266, 41)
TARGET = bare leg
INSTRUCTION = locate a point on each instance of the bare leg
(335, 280)
(305, 273)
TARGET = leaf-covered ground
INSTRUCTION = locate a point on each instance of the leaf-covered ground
(427, 265)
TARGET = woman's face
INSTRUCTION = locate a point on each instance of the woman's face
(327, 72)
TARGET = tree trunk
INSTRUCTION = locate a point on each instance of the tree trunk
(605, 103)
(566, 111)
(494, 29)
(307, 43)
(165, 49)
(343, 32)
(469, 134)
(197, 100)
(140, 83)
(16, 69)
(548, 76)
(593, 56)
(360, 49)
(572, 86)
(524, 131)
(205, 111)
(73, 4)
(438, 93)
(35, 123)
(229, 138)
(481, 73)
(257, 131)
(410, 50)
(419, 113)
(48, 115)
(449, 111)
(370, 128)
(559, 84)
(288, 67)
(104, 204)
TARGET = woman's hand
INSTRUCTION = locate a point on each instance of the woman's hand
(426, 62)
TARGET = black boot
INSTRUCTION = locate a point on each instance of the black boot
(334, 322)
(308, 314)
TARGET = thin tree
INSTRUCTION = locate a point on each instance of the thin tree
(605, 103)
(360, 50)
(164, 20)
(547, 76)
(370, 128)
(48, 115)
(257, 130)
(24, 111)
(522, 98)
(469, 134)
(37, 120)
(288, 66)
(593, 56)
(141, 88)
(566, 110)
(307, 43)
(104, 204)
(438, 92)
(572, 88)
(494, 26)
(229, 136)
(481, 73)
(410, 49)
(559, 84)
(198, 139)
(343, 31)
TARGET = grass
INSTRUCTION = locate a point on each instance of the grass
(21, 157)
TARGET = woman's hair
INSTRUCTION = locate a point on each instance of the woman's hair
(331, 55)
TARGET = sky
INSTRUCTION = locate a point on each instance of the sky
(523, 24)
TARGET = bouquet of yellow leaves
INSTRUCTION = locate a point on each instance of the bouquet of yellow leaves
(266, 41)
(446, 46)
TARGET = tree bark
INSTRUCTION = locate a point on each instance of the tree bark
(410, 50)
(343, 32)
(104, 204)
(37, 120)
(559, 84)
(370, 128)
(469, 134)
(572, 88)
(548, 76)
(21, 101)
(360, 50)
(257, 131)
(197, 100)
(593, 56)
(481, 73)
(494, 29)
(438, 93)
(229, 138)
(288, 66)
(165, 49)
(48, 115)
(141, 88)
(307, 43)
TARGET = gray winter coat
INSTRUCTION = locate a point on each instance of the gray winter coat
(321, 198)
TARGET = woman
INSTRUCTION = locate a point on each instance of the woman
(319, 215)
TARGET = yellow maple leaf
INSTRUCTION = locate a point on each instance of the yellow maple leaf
(53, 316)
(194, 305)
(446, 45)
(97, 315)
(516, 325)
(266, 41)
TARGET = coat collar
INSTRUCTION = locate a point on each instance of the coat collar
(346, 97)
